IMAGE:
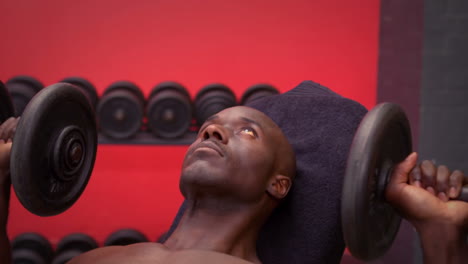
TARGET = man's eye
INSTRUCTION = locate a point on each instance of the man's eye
(250, 131)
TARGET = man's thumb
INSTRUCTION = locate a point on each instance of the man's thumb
(401, 171)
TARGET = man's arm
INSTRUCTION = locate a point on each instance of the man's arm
(5, 254)
(443, 243)
(7, 131)
(422, 195)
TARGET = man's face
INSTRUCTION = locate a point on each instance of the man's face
(233, 156)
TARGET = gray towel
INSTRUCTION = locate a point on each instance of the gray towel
(320, 125)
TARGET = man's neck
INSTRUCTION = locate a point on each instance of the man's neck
(215, 226)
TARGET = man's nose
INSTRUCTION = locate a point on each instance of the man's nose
(215, 132)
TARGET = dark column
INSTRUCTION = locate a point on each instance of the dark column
(399, 81)
(444, 90)
(444, 93)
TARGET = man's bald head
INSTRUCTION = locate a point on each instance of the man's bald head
(240, 153)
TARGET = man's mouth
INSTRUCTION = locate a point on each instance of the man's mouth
(209, 144)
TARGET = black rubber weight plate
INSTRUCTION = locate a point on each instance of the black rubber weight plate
(382, 140)
(120, 114)
(6, 106)
(256, 92)
(127, 86)
(22, 88)
(169, 85)
(169, 114)
(33, 242)
(25, 80)
(125, 237)
(76, 241)
(46, 179)
(212, 99)
(89, 88)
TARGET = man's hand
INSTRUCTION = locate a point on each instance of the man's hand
(7, 131)
(5, 149)
(8, 128)
(422, 195)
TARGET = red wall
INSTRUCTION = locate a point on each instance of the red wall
(239, 43)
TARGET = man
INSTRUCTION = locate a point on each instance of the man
(237, 172)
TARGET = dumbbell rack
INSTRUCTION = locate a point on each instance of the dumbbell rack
(155, 165)
(211, 98)
(146, 138)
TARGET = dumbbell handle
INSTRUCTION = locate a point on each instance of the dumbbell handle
(464, 191)
(463, 194)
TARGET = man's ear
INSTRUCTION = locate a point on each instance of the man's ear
(279, 186)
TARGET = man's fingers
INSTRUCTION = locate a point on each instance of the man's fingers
(415, 177)
(429, 172)
(4, 157)
(5, 128)
(455, 183)
(11, 128)
(442, 182)
(2, 128)
(403, 169)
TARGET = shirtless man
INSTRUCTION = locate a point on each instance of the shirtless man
(236, 173)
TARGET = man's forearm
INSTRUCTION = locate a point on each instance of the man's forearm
(5, 253)
(443, 244)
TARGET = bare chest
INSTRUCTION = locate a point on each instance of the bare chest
(153, 253)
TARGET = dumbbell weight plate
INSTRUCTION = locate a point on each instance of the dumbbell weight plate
(212, 99)
(6, 106)
(121, 110)
(31, 248)
(22, 88)
(76, 241)
(73, 245)
(88, 88)
(169, 85)
(66, 256)
(128, 86)
(256, 92)
(25, 256)
(125, 237)
(53, 150)
(382, 140)
(169, 110)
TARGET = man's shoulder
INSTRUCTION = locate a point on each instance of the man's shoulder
(135, 253)
(153, 253)
(194, 256)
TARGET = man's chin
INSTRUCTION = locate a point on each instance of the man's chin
(196, 165)
(198, 179)
(201, 174)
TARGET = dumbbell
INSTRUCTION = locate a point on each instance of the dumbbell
(86, 87)
(169, 110)
(211, 99)
(256, 92)
(31, 248)
(22, 89)
(382, 140)
(125, 237)
(121, 110)
(53, 150)
(73, 245)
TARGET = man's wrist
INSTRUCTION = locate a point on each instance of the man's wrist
(5, 187)
(4, 178)
(443, 243)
